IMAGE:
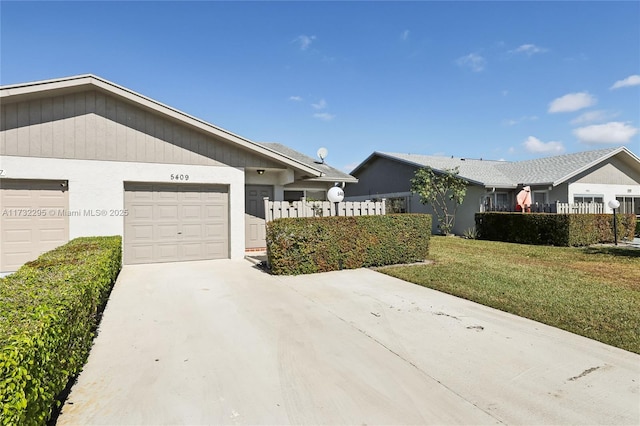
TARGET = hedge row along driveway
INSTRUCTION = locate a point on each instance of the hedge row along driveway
(49, 309)
(321, 244)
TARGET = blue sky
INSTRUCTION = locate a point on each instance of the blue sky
(493, 80)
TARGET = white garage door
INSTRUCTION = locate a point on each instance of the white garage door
(33, 220)
(170, 223)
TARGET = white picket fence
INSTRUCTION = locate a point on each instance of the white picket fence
(279, 209)
(580, 208)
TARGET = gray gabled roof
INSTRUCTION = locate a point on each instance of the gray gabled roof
(329, 174)
(557, 169)
(480, 172)
(504, 174)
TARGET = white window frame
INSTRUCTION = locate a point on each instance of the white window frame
(591, 196)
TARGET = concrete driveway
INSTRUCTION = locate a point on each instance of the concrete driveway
(220, 342)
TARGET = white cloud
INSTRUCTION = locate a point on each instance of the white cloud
(321, 104)
(324, 116)
(529, 49)
(474, 61)
(592, 116)
(304, 41)
(613, 132)
(535, 145)
(632, 80)
(572, 102)
(405, 35)
(295, 98)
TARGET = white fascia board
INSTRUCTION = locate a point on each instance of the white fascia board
(332, 179)
(39, 87)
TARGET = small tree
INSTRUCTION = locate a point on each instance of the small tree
(444, 191)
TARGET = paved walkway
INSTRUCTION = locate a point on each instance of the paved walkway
(220, 342)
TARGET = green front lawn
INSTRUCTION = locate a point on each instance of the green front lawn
(594, 292)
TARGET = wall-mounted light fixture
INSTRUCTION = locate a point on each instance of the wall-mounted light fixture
(260, 171)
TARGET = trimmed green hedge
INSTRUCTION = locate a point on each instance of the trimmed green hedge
(553, 229)
(320, 244)
(49, 310)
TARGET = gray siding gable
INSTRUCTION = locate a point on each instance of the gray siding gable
(381, 176)
(93, 125)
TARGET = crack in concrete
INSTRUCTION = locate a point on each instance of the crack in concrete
(584, 373)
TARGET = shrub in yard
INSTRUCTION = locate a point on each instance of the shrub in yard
(638, 228)
(308, 245)
(49, 310)
(553, 229)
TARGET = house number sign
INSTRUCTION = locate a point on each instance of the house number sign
(181, 177)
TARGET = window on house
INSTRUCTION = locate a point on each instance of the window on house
(396, 205)
(291, 196)
(297, 195)
(502, 200)
(629, 205)
(316, 195)
(539, 197)
(588, 199)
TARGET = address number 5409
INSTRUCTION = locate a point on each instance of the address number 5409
(179, 177)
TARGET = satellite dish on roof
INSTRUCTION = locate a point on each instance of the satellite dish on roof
(322, 154)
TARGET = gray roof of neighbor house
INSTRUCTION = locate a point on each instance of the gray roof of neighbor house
(541, 171)
(481, 172)
(330, 174)
(556, 169)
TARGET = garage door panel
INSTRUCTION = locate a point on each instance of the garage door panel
(140, 253)
(17, 236)
(192, 251)
(215, 212)
(24, 238)
(192, 195)
(141, 211)
(192, 212)
(166, 195)
(192, 231)
(213, 230)
(51, 235)
(167, 232)
(215, 250)
(166, 212)
(142, 233)
(167, 252)
(182, 225)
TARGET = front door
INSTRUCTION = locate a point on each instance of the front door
(254, 218)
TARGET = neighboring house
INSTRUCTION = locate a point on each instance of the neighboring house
(82, 156)
(584, 177)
